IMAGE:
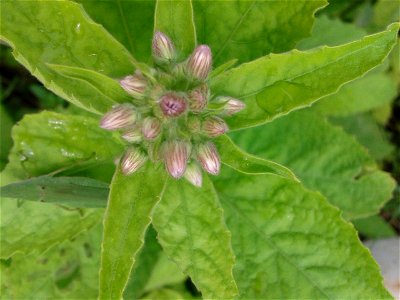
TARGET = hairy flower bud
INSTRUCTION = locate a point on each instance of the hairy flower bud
(132, 135)
(162, 48)
(172, 105)
(151, 128)
(134, 85)
(193, 174)
(120, 116)
(233, 106)
(199, 63)
(132, 160)
(208, 157)
(214, 126)
(198, 98)
(194, 124)
(175, 155)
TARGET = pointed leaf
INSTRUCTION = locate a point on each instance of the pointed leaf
(247, 30)
(60, 32)
(48, 141)
(191, 230)
(130, 22)
(279, 83)
(291, 244)
(128, 214)
(325, 158)
(175, 18)
(234, 157)
(70, 191)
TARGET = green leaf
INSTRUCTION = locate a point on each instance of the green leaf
(70, 191)
(6, 141)
(191, 230)
(130, 22)
(128, 214)
(175, 18)
(374, 227)
(164, 294)
(361, 95)
(324, 158)
(249, 29)
(291, 244)
(60, 32)
(279, 83)
(234, 157)
(105, 85)
(29, 227)
(48, 141)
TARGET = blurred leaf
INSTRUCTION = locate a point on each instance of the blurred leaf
(368, 133)
(6, 141)
(47, 142)
(331, 33)
(276, 84)
(127, 217)
(130, 22)
(361, 95)
(191, 230)
(324, 158)
(236, 158)
(60, 32)
(70, 191)
(175, 18)
(385, 12)
(290, 243)
(374, 227)
(246, 30)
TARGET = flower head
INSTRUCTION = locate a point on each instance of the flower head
(132, 135)
(172, 105)
(134, 85)
(198, 99)
(199, 63)
(214, 126)
(151, 128)
(120, 116)
(233, 106)
(208, 157)
(193, 174)
(175, 155)
(132, 160)
(162, 48)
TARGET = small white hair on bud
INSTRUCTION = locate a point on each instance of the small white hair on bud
(208, 157)
(163, 49)
(151, 128)
(193, 174)
(120, 116)
(132, 160)
(134, 85)
(214, 126)
(175, 155)
(199, 63)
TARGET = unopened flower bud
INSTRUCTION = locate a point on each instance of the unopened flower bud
(198, 98)
(151, 128)
(194, 124)
(193, 174)
(214, 126)
(199, 63)
(176, 155)
(118, 117)
(208, 157)
(162, 48)
(132, 135)
(172, 105)
(233, 106)
(132, 160)
(134, 85)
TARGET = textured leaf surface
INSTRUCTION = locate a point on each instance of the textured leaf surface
(128, 214)
(324, 158)
(29, 227)
(59, 32)
(70, 191)
(232, 156)
(48, 141)
(191, 230)
(249, 29)
(175, 18)
(291, 244)
(130, 22)
(66, 271)
(278, 83)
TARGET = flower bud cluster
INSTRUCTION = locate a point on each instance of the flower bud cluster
(173, 117)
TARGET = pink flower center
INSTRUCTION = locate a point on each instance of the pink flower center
(172, 105)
